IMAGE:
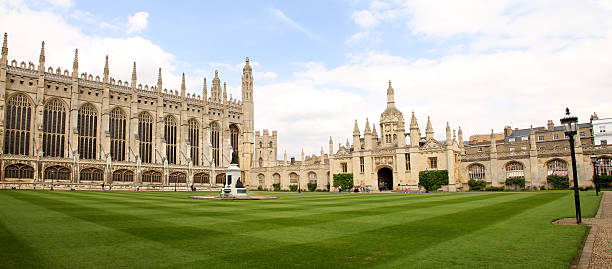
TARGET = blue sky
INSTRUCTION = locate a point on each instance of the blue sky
(319, 65)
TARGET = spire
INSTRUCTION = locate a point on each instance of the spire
(367, 129)
(413, 122)
(390, 95)
(106, 70)
(204, 90)
(460, 136)
(247, 66)
(429, 132)
(224, 91)
(215, 91)
(493, 143)
(159, 81)
(5, 50)
(348, 145)
(134, 77)
(448, 134)
(454, 135)
(374, 134)
(183, 88)
(331, 141)
(42, 53)
(75, 64)
(356, 129)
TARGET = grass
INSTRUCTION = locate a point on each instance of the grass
(42, 229)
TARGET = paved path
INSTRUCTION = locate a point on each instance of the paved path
(597, 251)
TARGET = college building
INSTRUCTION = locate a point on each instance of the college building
(72, 129)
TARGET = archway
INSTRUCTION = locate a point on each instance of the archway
(385, 179)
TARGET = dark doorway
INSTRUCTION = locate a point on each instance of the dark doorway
(385, 179)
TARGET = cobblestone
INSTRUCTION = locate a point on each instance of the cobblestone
(597, 251)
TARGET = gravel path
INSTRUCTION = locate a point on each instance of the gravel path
(597, 251)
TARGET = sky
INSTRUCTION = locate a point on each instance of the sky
(320, 65)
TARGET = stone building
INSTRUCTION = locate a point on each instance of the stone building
(372, 159)
(65, 127)
(534, 154)
(78, 130)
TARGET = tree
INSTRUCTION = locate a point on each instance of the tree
(343, 180)
(433, 180)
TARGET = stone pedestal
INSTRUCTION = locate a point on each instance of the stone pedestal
(233, 182)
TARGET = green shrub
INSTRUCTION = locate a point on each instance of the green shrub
(516, 181)
(558, 182)
(312, 186)
(293, 187)
(276, 186)
(343, 180)
(260, 188)
(542, 188)
(433, 180)
(604, 181)
(491, 188)
(477, 185)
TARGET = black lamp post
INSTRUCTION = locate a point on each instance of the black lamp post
(595, 160)
(570, 123)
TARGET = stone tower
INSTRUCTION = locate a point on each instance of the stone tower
(248, 127)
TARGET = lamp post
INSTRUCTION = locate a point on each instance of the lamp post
(595, 160)
(570, 123)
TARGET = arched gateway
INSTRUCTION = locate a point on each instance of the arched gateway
(385, 179)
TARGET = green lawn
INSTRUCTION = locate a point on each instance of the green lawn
(42, 229)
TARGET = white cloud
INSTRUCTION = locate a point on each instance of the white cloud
(61, 4)
(63, 38)
(473, 90)
(264, 75)
(279, 14)
(364, 18)
(137, 22)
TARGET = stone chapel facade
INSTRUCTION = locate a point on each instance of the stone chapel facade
(65, 127)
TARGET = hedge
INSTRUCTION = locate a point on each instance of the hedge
(556, 182)
(293, 187)
(433, 180)
(312, 186)
(343, 180)
(477, 185)
(276, 186)
(516, 181)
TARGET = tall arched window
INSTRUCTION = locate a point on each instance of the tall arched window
(234, 133)
(145, 137)
(514, 169)
(261, 162)
(201, 178)
(116, 127)
(312, 178)
(170, 136)
(604, 167)
(261, 178)
(557, 167)
(54, 129)
(92, 174)
(123, 175)
(476, 171)
(293, 178)
(18, 171)
(57, 173)
(194, 141)
(17, 125)
(88, 129)
(214, 140)
(276, 178)
(177, 177)
(151, 177)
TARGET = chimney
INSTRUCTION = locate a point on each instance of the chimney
(292, 160)
(507, 131)
(550, 125)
